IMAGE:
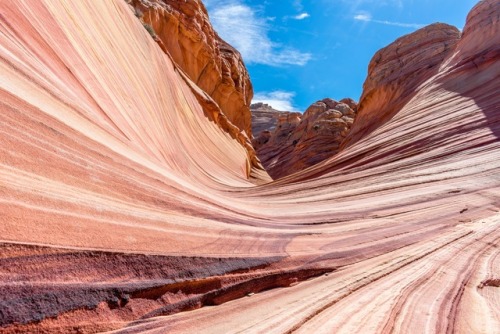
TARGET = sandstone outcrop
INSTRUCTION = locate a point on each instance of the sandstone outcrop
(184, 29)
(122, 205)
(293, 142)
(212, 68)
(264, 117)
(396, 71)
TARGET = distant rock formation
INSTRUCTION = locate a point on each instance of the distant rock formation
(288, 142)
(212, 64)
(264, 118)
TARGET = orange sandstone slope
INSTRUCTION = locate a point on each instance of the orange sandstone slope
(215, 70)
(215, 66)
(122, 204)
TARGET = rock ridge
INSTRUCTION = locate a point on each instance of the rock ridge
(212, 64)
(396, 71)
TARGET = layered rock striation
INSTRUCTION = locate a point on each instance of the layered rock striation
(295, 141)
(396, 71)
(122, 204)
(213, 69)
(184, 29)
(264, 118)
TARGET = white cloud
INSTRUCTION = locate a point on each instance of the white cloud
(301, 16)
(399, 24)
(366, 17)
(355, 4)
(279, 100)
(363, 17)
(241, 27)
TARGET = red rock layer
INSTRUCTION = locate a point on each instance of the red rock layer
(299, 141)
(396, 71)
(215, 66)
(120, 200)
(212, 68)
(264, 118)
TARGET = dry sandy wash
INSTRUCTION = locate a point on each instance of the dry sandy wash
(122, 203)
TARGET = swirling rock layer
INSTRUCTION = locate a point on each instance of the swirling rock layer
(396, 71)
(215, 66)
(213, 69)
(122, 203)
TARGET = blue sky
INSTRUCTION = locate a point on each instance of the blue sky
(300, 51)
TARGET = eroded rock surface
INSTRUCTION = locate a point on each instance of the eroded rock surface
(396, 71)
(264, 117)
(213, 69)
(215, 66)
(293, 141)
(123, 204)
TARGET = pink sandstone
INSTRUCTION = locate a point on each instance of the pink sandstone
(125, 208)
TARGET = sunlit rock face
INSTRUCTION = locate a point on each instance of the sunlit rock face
(293, 141)
(221, 81)
(264, 118)
(396, 71)
(215, 66)
(125, 206)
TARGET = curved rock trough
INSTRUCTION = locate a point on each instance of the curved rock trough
(130, 202)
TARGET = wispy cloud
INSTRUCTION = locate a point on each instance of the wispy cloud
(241, 27)
(366, 17)
(279, 100)
(363, 17)
(297, 4)
(301, 16)
(355, 4)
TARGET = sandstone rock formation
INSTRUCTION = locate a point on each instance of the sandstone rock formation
(122, 205)
(212, 68)
(295, 141)
(396, 71)
(183, 27)
(264, 117)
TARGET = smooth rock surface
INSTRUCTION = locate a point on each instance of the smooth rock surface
(123, 204)
(396, 71)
